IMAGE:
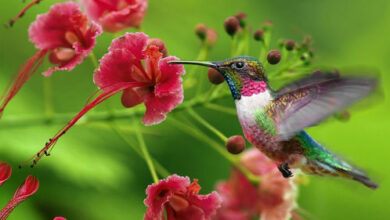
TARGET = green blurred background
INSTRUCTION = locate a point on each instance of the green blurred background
(94, 174)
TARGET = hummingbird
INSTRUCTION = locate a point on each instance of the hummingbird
(274, 120)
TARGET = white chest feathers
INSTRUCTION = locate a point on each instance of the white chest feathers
(247, 105)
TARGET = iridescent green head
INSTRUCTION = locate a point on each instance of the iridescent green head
(237, 71)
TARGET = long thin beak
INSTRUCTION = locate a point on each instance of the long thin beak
(201, 63)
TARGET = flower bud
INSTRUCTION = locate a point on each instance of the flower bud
(259, 35)
(305, 57)
(267, 25)
(214, 76)
(5, 172)
(201, 31)
(281, 43)
(290, 44)
(241, 16)
(29, 187)
(235, 144)
(306, 40)
(231, 25)
(274, 57)
(211, 37)
(160, 44)
(343, 115)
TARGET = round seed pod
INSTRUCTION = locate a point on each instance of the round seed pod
(235, 144)
(290, 44)
(259, 35)
(274, 57)
(214, 76)
(231, 25)
(201, 31)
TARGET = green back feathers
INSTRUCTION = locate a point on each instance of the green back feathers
(265, 122)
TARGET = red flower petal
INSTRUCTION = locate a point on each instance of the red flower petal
(5, 172)
(116, 15)
(50, 31)
(159, 193)
(134, 96)
(123, 62)
(273, 199)
(158, 107)
(82, 51)
(207, 203)
(114, 68)
(170, 81)
(277, 196)
(28, 188)
(176, 196)
(135, 43)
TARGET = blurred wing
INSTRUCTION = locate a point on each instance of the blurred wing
(310, 100)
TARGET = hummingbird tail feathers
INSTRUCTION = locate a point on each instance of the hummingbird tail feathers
(360, 177)
(341, 169)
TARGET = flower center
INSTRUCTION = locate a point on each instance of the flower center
(71, 37)
(61, 55)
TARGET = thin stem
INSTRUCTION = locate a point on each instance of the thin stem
(234, 42)
(234, 160)
(18, 121)
(219, 108)
(243, 45)
(147, 157)
(94, 60)
(48, 97)
(159, 168)
(207, 125)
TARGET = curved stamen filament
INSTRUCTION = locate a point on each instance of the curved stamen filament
(22, 12)
(108, 92)
(20, 77)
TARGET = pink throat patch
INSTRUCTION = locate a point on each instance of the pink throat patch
(251, 87)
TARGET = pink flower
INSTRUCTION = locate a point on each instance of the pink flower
(5, 172)
(64, 33)
(162, 90)
(157, 83)
(273, 199)
(180, 200)
(28, 188)
(116, 15)
(59, 218)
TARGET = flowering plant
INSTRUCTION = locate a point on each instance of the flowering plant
(146, 84)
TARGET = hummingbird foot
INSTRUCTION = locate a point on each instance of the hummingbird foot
(285, 170)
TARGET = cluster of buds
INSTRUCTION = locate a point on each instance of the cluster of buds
(207, 36)
(235, 23)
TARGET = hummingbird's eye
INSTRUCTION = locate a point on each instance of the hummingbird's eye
(238, 65)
